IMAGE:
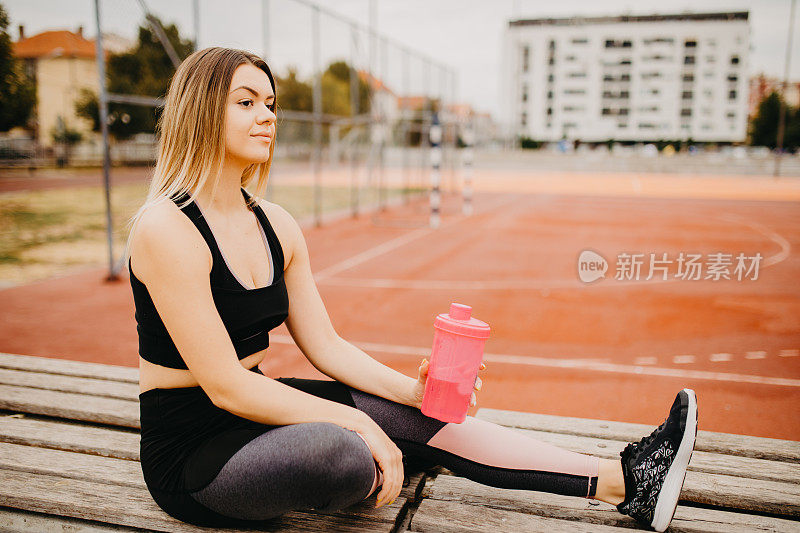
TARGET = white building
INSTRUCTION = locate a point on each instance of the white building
(628, 78)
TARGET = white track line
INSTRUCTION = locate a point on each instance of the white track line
(641, 361)
(788, 353)
(683, 359)
(716, 357)
(371, 253)
(598, 365)
(759, 354)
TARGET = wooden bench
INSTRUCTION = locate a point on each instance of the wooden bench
(69, 450)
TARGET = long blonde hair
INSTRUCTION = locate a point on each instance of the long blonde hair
(191, 145)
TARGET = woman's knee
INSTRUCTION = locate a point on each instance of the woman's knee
(343, 466)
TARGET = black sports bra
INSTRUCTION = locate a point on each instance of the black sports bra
(248, 314)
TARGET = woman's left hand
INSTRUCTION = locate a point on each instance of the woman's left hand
(419, 388)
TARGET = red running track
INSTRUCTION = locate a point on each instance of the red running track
(608, 350)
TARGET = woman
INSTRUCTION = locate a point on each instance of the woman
(214, 269)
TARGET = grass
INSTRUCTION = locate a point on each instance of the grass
(51, 232)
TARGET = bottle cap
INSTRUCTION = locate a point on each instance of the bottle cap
(460, 322)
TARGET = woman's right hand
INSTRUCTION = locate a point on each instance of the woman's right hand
(389, 459)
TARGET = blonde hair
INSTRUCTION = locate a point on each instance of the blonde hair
(191, 145)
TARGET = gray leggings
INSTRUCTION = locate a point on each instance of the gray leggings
(326, 467)
(317, 465)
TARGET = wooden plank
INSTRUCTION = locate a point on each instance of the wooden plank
(454, 517)
(70, 405)
(453, 488)
(134, 507)
(712, 463)
(71, 465)
(707, 441)
(16, 521)
(64, 367)
(79, 385)
(70, 436)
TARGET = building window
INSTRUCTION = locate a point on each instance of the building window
(574, 91)
(549, 77)
(730, 114)
(663, 40)
(526, 52)
(525, 92)
(686, 95)
(549, 111)
(686, 112)
(550, 94)
(623, 111)
(606, 111)
(690, 44)
(576, 75)
(732, 95)
(688, 60)
(580, 41)
(622, 125)
(611, 43)
(734, 60)
(733, 77)
(523, 119)
(688, 77)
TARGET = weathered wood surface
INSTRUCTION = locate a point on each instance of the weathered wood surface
(707, 441)
(70, 405)
(67, 472)
(134, 507)
(437, 516)
(81, 385)
(69, 436)
(470, 498)
(16, 521)
(49, 365)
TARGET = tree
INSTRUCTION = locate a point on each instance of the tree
(144, 70)
(293, 93)
(17, 91)
(764, 125)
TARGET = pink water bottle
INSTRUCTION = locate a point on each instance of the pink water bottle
(456, 357)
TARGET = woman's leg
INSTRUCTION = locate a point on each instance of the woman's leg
(476, 449)
(315, 465)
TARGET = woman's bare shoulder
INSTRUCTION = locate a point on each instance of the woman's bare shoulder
(162, 226)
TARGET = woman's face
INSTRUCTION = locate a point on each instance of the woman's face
(250, 120)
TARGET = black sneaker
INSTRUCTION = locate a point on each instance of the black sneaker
(655, 467)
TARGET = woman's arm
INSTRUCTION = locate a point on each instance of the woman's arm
(173, 261)
(311, 328)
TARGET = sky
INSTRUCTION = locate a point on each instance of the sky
(441, 47)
